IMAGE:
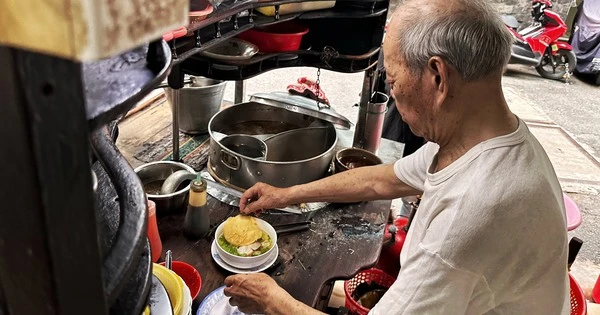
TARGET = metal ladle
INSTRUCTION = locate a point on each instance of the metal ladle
(174, 181)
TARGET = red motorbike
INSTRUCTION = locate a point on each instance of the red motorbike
(538, 45)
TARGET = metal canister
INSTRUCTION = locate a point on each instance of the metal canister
(370, 123)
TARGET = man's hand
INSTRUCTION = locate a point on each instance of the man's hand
(262, 196)
(252, 293)
(259, 293)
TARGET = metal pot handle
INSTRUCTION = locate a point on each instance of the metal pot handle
(133, 216)
(230, 161)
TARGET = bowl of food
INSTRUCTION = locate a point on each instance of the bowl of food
(244, 241)
(350, 158)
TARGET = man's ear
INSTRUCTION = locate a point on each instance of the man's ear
(439, 71)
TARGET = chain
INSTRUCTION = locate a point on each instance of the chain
(327, 55)
(318, 85)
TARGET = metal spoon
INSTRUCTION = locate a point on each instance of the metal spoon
(168, 259)
(172, 183)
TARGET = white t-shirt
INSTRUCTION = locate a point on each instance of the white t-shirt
(489, 236)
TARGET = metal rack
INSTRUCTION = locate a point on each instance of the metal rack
(320, 50)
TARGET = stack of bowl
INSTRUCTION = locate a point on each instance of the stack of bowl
(182, 285)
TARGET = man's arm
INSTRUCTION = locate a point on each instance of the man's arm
(359, 184)
(259, 293)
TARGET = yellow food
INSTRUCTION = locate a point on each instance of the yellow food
(241, 230)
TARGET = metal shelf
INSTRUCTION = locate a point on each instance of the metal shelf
(346, 14)
(245, 69)
(114, 85)
(228, 9)
(231, 19)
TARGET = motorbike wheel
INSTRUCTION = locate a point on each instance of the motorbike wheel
(563, 58)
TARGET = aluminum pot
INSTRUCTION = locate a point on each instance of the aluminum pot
(199, 100)
(255, 119)
(153, 174)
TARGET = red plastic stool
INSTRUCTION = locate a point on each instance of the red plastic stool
(596, 291)
(573, 213)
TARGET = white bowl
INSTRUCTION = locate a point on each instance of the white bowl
(247, 262)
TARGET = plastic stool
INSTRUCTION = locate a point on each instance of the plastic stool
(573, 213)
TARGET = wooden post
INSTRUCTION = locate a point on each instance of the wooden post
(49, 254)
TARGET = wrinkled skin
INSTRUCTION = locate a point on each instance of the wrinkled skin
(250, 292)
(259, 293)
(262, 196)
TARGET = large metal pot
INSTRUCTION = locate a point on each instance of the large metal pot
(258, 119)
(153, 174)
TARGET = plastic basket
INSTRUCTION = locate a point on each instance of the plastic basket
(578, 303)
(368, 276)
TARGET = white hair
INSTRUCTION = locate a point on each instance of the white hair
(468, 34)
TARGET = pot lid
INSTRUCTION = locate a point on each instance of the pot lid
(302, 105)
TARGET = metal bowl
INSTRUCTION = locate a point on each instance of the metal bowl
(350, 158)
(153, 175)
(231, 50)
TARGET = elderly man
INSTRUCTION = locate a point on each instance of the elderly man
(490, 234)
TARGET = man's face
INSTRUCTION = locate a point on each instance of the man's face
(412, 100)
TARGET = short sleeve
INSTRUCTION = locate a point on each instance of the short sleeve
(412, 170)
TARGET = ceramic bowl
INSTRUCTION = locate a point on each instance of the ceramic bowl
(247, 262)
(350, 158)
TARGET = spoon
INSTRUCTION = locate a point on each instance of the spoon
(172, 183)
(168, 259)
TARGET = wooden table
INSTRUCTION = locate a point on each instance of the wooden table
(343, 239)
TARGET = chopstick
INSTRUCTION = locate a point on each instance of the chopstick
(292, 227)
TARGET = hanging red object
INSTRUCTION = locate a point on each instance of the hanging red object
(153, 236)
(393, 241)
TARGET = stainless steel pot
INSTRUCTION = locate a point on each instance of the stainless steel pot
(254, 119)
(199, 100)
(154, 174)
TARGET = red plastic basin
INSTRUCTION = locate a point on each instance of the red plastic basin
(281, 37)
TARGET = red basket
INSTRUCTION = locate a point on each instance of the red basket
(578, 303)
(368, 276)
